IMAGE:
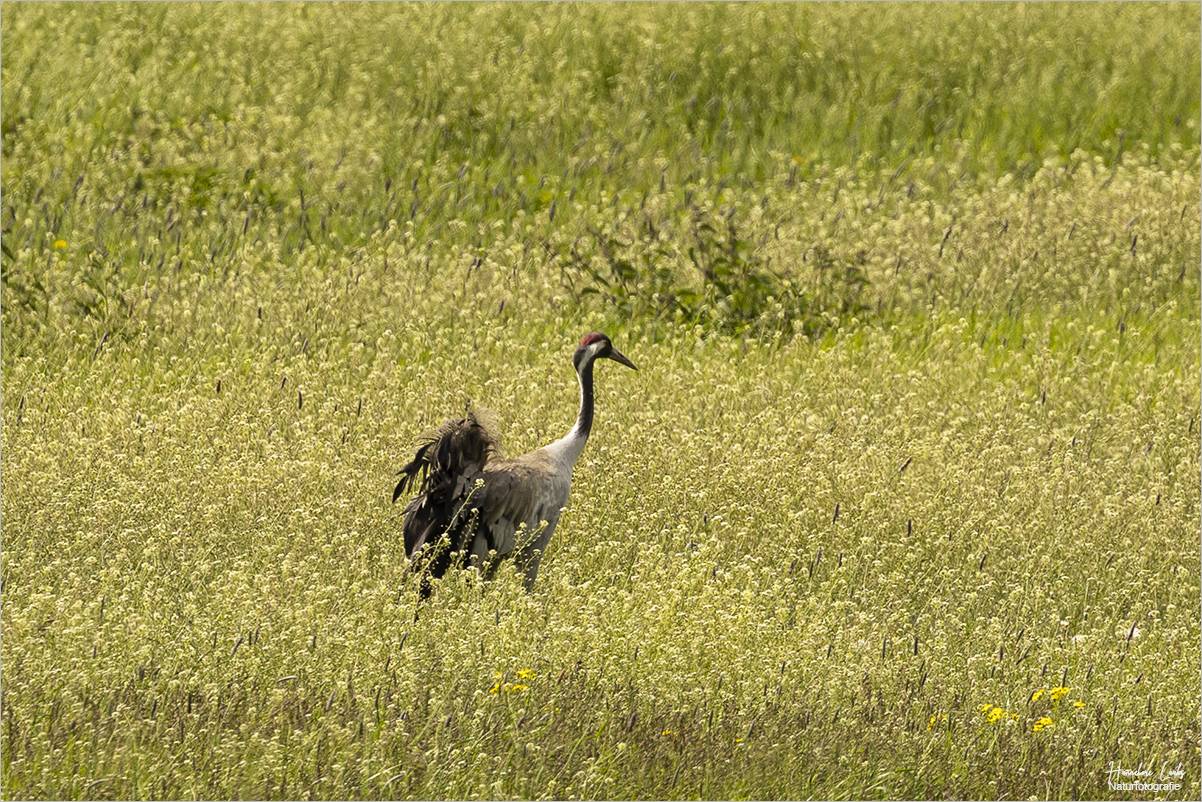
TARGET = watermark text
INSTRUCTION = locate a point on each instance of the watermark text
(1144, 778)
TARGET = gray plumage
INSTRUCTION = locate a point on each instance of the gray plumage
(473, 507)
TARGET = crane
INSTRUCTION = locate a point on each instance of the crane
(475, 508)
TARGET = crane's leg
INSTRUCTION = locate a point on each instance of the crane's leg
(479, 554)
(530, 569)
(531, 554)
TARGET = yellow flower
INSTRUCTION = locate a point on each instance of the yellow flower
(1035, 696)
(500, 686)
(935, 719)
(505, 687)
(1078, 704)
(1044, 722)
(668, 733)
(1058, 692)
(60, 243)
(993, 714)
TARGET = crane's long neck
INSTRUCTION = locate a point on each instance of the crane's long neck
(569, 448)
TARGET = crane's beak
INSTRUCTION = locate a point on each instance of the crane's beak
(617, 356)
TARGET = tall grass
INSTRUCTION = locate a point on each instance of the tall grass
(939, 538)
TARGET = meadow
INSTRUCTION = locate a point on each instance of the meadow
(903, 502)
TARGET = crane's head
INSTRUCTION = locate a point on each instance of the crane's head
(595, 345)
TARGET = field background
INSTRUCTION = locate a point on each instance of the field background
(903, 501)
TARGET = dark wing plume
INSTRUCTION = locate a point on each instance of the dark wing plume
(444, 471)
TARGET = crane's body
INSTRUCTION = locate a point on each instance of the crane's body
(475, 508)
